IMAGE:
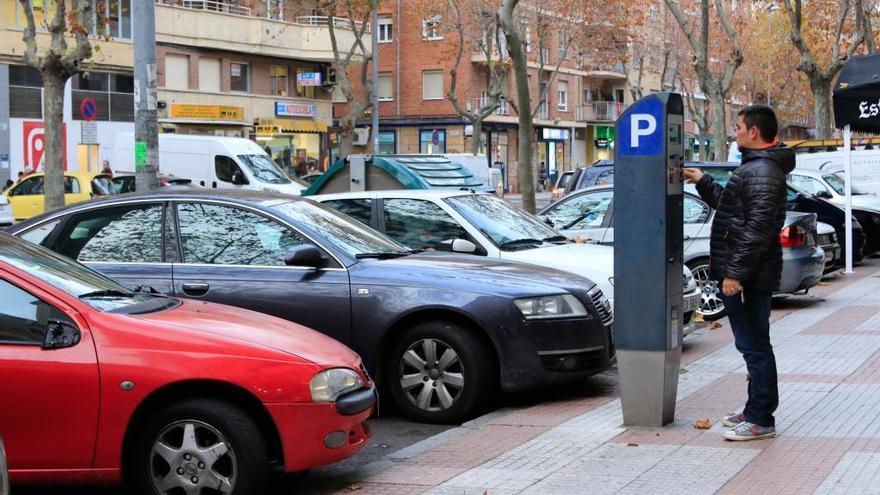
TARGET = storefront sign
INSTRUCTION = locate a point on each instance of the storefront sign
(284, 109)
(207, 112)
(551, 134)
(601, 143)
(308, 78)
(34, 135)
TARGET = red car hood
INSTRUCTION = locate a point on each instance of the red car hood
(256, 328)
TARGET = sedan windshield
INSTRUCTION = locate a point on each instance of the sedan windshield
(837, 182)
(69, 276)
(506, 226)
(340, 230)
(264, 169)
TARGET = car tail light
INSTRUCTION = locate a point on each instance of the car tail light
(792, 236)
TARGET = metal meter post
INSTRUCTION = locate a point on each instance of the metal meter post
(649, 153)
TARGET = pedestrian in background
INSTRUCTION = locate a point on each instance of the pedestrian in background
(105, 169)
(746, 258)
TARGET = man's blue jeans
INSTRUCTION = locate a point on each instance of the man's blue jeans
(749, 315)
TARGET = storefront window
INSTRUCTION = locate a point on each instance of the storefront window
(387, 142)
(432, 141)
(278, 79)
(297, 154)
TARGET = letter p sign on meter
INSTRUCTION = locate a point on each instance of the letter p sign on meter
(648, 257)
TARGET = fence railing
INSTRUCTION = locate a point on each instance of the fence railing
(232, 7)
(603, 111)
(484, 101)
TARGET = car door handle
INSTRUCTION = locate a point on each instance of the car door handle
(687, 237)
(195, 289)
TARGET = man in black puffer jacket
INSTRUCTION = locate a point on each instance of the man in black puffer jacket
(746, 258)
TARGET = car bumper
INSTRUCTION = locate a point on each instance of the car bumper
(555, 352)
(318, 434)
(801, 268)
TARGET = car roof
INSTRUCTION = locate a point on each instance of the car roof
(68, 173)
(240, 196)
(398, 193)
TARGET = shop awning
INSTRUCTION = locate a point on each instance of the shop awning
(206, 122)
(282, 126)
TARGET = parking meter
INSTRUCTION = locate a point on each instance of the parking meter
(648, 280)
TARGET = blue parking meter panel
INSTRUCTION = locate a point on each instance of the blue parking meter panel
(648, 244)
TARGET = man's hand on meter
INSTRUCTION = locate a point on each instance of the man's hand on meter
(691, 175)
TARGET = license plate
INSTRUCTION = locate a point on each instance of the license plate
(691, 303)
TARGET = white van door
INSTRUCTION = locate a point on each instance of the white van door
(227, 174)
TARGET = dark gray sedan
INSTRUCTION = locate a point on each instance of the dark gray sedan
(440, 332)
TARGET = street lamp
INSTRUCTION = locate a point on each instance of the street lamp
(770, 10)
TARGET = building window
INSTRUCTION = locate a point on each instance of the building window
(564, 44)
(25, 92)
(432, 141)
(431, 29)
(618, 95)
(176, 71)
(386, 87)
(527, 36)
(387, 142)
(209, 74)
(278, 80)
(113, 96)
(432, 85)
(275, 9)
(545, 56)
(239, 77)
(386, 30)
(562, 95)
(117, 17)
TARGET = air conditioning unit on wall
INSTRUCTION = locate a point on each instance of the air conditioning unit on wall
(361, 136)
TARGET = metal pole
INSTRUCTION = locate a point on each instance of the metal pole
(847, 141)
(146, 131)
(375, 95)
(769, 57)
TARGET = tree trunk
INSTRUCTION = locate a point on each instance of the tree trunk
(704, 150)
(821, 88)
(477, 136)
(719, 125)
(53, 154)
(524, 168)
(346, 140)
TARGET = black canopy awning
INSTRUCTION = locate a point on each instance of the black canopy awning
(857, 95)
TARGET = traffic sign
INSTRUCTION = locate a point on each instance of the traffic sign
(642, 128)
(88, 109)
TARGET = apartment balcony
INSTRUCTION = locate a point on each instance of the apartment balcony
(504, 110)
(599, 111)
(606, 71)
(232, 26)
(544, 112)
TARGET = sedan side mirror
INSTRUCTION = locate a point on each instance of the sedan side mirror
(824, 195)
(60, 334)
(238, 178)
(463, 246)
(305, 255)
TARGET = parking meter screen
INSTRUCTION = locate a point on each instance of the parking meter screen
(674, 133)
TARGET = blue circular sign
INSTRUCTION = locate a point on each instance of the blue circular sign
(88, 109)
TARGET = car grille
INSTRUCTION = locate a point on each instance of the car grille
(598, 303)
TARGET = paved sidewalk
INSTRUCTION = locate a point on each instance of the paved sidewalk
(828, 357)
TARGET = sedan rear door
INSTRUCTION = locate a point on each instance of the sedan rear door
(234, 255)
(587, 215)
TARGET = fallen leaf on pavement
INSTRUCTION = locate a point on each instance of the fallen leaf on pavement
(822, 284)
(702, 424)
(698, 318)
(632, 445)
(354, 487)
(714, 325)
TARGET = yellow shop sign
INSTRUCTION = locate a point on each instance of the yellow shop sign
(207, 112)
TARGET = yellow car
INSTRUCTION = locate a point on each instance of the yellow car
(27, 199)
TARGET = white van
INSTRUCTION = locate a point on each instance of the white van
(210, 161)
(865, 166)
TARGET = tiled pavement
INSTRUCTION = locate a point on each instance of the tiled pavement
(828, 354)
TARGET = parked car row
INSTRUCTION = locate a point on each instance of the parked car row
(589, 213)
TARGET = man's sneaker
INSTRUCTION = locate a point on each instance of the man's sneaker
(733, 419)
(746, 431)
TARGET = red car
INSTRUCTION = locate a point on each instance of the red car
(99, 384)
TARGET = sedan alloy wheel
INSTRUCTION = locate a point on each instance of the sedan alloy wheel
(194, 458)
(711, 305)
(431, 374)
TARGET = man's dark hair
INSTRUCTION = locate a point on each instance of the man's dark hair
(762, 117)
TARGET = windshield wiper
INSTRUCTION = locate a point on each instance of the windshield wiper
(383, 256)
(107, 293)
(556, 238)
(148, 289)
(520, 243)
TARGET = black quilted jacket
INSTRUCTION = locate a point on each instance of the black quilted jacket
(750, 212)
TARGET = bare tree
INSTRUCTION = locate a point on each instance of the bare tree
(822, 79)
(482, 24)
(699, 111)
(346, 58)
(716, 86)
(57, 63)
